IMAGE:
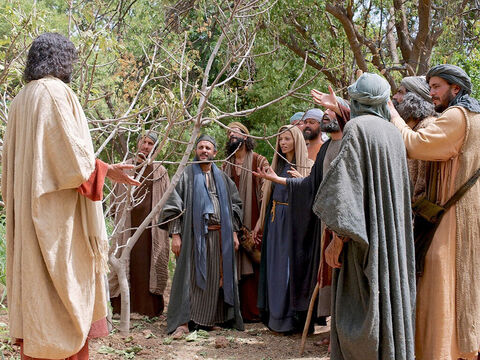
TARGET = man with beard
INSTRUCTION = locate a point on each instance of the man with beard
(148, 261)
(205, 212)
(55, 231)
(311, 131)
(307, 229)
(241, 161)
(414, 104)
(364, 199)
(448, 302)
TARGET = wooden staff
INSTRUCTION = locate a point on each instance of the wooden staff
(309, 318)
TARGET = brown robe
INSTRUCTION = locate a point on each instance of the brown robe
(251, 195)
(148, 267)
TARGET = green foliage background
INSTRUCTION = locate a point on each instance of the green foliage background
(116, 40)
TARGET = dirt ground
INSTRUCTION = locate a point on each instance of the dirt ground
(148, 340)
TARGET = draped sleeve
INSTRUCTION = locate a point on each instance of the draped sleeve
(439, 141)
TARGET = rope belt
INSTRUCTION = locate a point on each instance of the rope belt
(274, 206)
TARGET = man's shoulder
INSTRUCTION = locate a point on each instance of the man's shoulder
(259, 158)
(158, 166)
(455, 111)
(54, 86)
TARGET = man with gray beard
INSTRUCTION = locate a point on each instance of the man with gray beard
(414, 104)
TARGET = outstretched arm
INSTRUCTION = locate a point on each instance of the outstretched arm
(267, 173)
(93, 187)
(116, 172)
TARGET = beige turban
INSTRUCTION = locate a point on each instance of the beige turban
(240, 126)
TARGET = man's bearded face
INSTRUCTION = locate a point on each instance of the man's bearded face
(205, 151)
(234, 142)
(398, 97)
(441, 92)
(329, 122)
(311, 129)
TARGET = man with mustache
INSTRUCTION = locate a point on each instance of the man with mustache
(240, 163)
(311, 131)
(148, 262)
(448, 305)
(204, 213)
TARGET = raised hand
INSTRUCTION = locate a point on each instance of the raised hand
(266, 173)
(328, 101)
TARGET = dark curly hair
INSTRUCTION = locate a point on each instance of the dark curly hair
(51, 54)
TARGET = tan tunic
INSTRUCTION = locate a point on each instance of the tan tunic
(55, 237)
(447, 295)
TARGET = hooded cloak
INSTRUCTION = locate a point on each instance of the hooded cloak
(369, 95)
(456, 75)
(365, 196)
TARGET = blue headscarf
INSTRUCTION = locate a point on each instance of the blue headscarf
(369, 95)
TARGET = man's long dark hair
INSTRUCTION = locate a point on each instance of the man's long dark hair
(51, 54)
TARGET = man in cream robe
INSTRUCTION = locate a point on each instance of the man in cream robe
(56, 239)
(448, 302)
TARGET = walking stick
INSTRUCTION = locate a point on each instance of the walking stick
(309, 318)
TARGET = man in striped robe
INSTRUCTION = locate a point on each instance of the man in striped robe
(206, 211)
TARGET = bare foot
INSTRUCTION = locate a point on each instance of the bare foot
(180, 332)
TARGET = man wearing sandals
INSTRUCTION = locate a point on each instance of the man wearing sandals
(205, 212)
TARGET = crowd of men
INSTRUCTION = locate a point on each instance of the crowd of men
(252, 241)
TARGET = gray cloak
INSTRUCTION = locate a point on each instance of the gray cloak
(365, 196)
(181, 200)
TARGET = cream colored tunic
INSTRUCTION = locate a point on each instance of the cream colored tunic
(55, 236)
(436, 314)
